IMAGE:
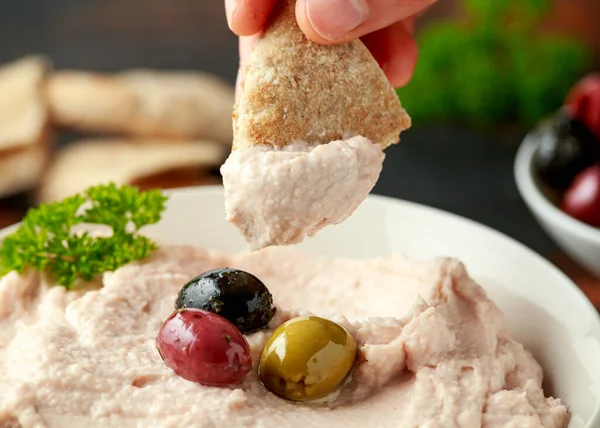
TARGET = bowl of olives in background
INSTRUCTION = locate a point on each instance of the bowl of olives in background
(557, 170)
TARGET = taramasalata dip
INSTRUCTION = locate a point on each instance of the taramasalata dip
(280, 197)
(433, 350)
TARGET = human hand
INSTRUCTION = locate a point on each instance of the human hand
(385, 26)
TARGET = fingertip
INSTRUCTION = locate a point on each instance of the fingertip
(396, 52)
(401, 78)
(248, 17)
(404, 65)
(340, 21)
(306, 26)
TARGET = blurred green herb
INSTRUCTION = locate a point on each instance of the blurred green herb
(45, 240)
(493, 68)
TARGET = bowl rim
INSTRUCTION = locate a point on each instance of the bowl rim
(398, 202)
(500, 235)
(536, 201)
(186, 191)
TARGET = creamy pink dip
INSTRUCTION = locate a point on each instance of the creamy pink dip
(434, 350)
(279, 197)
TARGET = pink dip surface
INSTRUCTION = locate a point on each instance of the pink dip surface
(279, 197)
(434, 350)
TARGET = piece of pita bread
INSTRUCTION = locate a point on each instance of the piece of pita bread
(21, 170)
(295, 89)
(151, 163)
(143, 103)
(24, 131)
(90, 102)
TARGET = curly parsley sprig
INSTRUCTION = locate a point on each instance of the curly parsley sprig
(46, 242)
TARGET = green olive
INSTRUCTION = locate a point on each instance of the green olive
(307, 358)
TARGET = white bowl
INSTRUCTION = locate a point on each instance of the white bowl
(544, 309)
(577, 239)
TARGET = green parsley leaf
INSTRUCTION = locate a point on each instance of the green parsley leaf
(46, 242)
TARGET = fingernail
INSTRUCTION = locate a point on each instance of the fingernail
(334, 19)
(230, 7)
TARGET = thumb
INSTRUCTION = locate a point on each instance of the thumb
(338, 21)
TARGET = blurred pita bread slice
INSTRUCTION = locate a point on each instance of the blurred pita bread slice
(179, 104)
(150, 163)
(295, 89)
(90, 102)
(24, 134)
(144, 103)
(20, 170)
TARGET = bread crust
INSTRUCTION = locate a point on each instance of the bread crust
(295, 89)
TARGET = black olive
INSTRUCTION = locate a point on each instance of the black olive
(238, 296)
(567, 147)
